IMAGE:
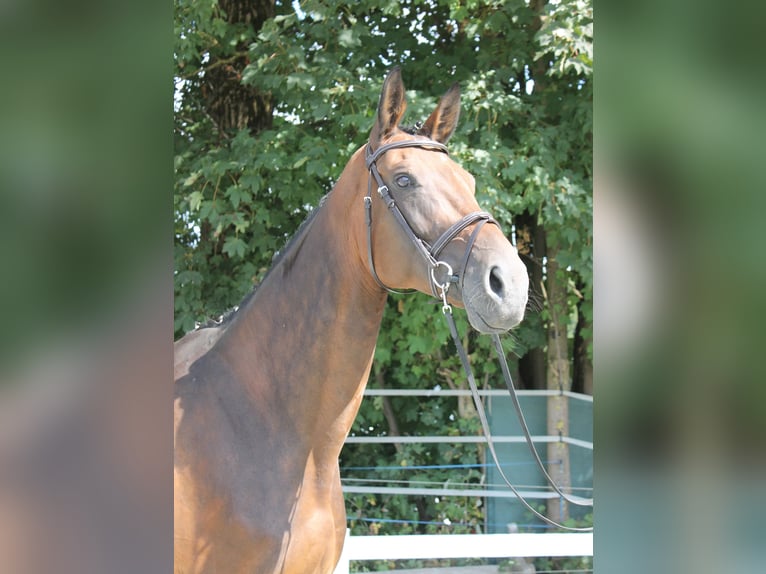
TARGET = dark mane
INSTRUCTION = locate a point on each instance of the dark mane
(413, 129)
(285, 255)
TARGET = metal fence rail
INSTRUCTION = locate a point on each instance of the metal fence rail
(464, 439)
(467, 393)
(435, 546)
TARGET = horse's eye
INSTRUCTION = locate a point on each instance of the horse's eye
(403, 181)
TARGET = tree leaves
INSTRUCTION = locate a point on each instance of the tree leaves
(566, 35)
(234, 247)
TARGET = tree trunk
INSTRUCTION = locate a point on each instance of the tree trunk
(388, 411)
(582, 369)
(533, 364)
(555, 292)
(558, 380)
(231, 104)
(530, 242)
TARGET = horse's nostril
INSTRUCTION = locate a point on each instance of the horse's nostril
(496, 283)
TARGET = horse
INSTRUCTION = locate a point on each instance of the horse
(264, 402)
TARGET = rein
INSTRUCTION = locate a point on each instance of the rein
(439, 290)
(522, 421)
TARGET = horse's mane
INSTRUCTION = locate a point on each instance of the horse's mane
(285, 256)
(413, 129)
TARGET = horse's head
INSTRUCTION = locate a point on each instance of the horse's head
(424, 194)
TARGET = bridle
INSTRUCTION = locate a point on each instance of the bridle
(429, 253)
(439, 290)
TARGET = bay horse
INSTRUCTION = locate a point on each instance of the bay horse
(264, 403)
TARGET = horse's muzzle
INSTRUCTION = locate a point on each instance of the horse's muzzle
(495, 290)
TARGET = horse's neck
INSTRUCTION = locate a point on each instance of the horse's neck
(305, 341)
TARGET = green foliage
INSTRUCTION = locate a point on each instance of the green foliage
(525, 133)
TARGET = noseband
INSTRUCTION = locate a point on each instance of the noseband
(429, 253)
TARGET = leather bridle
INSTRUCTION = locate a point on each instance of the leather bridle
(430, 254)
(439, 290)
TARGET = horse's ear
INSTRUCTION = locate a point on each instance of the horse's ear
(441, 124)
(390, 107)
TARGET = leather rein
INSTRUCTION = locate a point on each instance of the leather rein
(439, 290)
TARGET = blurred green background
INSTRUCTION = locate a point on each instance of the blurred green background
(86, 160)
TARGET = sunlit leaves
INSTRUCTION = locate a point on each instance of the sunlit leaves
(566, 36)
